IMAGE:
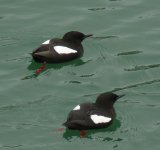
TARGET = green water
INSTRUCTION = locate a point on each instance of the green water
(123, 57)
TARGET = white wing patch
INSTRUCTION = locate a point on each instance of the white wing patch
(46, 42)
(77, 107)
(100, 119)
(64, 50)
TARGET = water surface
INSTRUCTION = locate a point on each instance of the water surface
(123, 56)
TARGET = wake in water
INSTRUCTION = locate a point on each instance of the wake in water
(130, 86)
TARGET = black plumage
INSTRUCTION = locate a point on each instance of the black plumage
(47, 53)
(93, 115)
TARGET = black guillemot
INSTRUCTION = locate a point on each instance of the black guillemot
(93, 115)
(61, 50)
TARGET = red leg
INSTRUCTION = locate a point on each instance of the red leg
(82, 134)
(39, 70)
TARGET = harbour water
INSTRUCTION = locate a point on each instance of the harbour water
(123, 56)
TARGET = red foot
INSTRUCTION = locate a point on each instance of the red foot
(82, 134)
(39, 70)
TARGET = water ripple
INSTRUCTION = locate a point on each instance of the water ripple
(19, 59)
(11, 107)
(143, 67)
(1, 17)
(10, 146)
(82, 76)
(137, 85)
(97, 9)
(128, 87)
(76, 82)
(104, 37)
(5, 41)
(87, 75)
(25, 125)
(129, 53)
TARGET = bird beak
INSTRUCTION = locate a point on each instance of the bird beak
(88, 35)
